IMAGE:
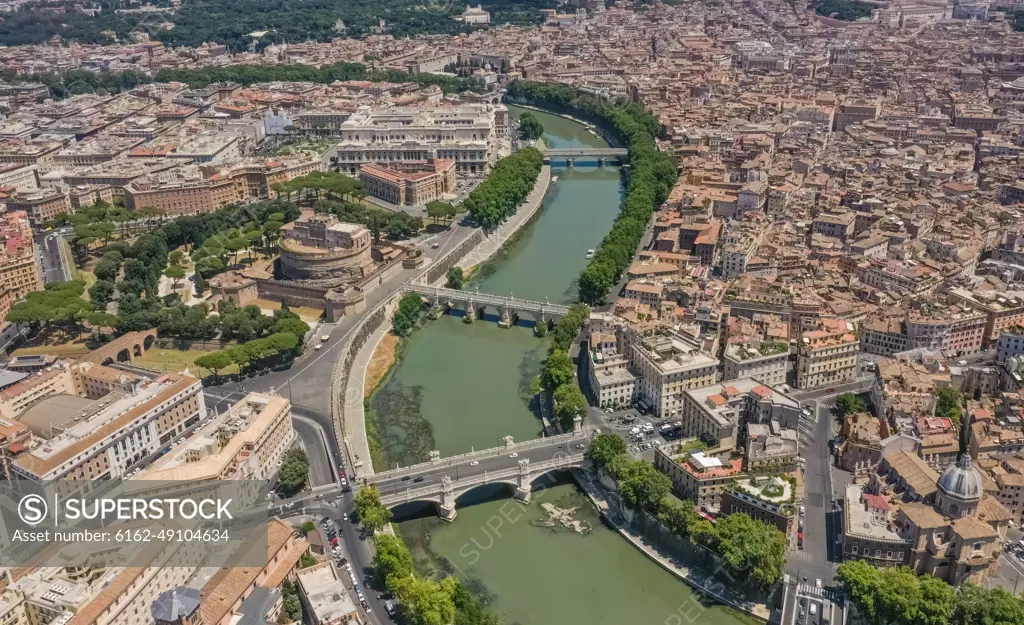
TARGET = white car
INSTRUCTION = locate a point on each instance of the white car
(474, 463)
(513, 455)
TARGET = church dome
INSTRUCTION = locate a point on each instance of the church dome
(961, 480)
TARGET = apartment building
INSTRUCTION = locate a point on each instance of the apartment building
(905, 386)
(28, 152)
(19, 268)
(720, 413)
(465, 134)
(325, 598)
(245, 442)
(20, 177)
(767, 362)
(224, 595)
(835, 225)
(41, 205)
(901, 276)
(826, 357)
(667, 365)
(956, 330)
(771, 500)
(698, 477)
(1010, 343)
(1002, 309)
(610, 379)
(107, 436)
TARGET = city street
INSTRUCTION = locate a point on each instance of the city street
(52, 259)
(824, 488)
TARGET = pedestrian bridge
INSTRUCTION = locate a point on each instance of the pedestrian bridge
(571, 155)
(443, 481)
(475, 303)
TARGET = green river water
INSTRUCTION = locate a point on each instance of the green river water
(463, 386)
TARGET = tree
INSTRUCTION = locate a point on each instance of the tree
(973, 605)
(175, 274)
(291, 602)
(408, 313)
(436, 209)
(604, 448)
(454, 278)
(200, 284)
(426, 602)
(372, 513)
(569, 404)
(307, 560)
(641, 486)
(558, 370)
(294, 470)
(948, 404)
(215, 361)
(101, 320)
(175, 258)
(392, 564)
(849, 403)
(292, 325)
(679, 517)
(530, 127)
(754, 551)
(101, 292)
(507, 186)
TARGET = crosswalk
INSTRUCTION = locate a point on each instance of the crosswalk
(800, 554)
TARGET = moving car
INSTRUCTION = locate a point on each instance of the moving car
(324, 338)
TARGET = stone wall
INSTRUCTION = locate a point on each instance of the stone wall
(295, 294)
(437, 270)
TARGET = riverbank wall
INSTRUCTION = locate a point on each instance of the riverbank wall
(347, 404)
(672, 553)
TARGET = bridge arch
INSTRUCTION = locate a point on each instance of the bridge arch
(124, 348)
(414, 509)
(549, 477)
(461, 494)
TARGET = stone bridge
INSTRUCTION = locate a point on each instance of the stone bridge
(571, 155)
(443, 480)
(474, 302)
(446, 492)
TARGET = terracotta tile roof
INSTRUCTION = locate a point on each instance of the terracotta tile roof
(231, 585)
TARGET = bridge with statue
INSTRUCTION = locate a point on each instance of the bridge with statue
(443, 480)
(571, 155)
(475, 303)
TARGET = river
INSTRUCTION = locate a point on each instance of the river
(462, 386)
